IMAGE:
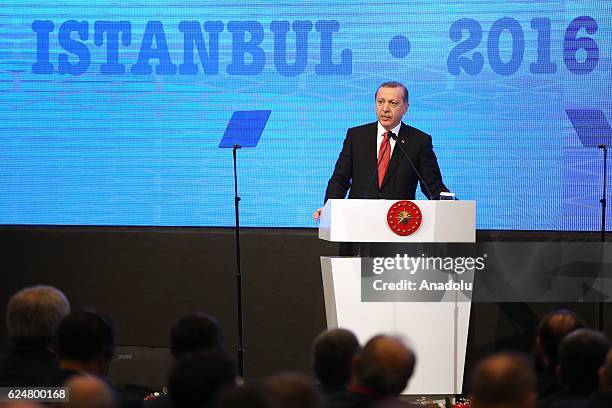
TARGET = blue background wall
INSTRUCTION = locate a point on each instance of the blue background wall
(92, 139)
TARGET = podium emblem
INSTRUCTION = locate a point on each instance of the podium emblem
(404, 218)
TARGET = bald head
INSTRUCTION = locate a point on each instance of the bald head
(89, 392)
(503, 380)
(34, 313)
(384, 365)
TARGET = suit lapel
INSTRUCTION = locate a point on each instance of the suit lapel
(372, 154)
(395, 157)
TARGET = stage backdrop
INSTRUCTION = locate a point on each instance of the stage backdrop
(112, 111)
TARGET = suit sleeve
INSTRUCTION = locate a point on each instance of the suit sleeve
(340, 181)
(429, 169)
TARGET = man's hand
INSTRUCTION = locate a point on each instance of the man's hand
(316, 214)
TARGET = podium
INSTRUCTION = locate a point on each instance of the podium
(437, 332)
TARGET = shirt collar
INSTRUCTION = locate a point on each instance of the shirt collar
(381, 130)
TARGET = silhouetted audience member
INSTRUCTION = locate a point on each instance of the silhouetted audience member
(380, 372)
(196, 378)
(196, 332)
(251, 396)
(581, 354)
(504, 380)
(332, 355)
(88, 391)
(32, 318)
(603, 397)
(294, 391)
(85, 344)
(551, 331)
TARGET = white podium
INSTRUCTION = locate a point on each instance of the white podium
(436, 331)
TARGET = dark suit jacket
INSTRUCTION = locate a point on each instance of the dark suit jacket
(356, 168)
(28, 366)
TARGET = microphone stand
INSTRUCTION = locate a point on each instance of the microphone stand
(399, 143)
(603, 220)
(238, 272)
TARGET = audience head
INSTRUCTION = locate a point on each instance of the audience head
(85, 340)
(552, 329)
(581, 354)
(384, 365)
(332, 355)
(34, 314)
(293, 391)
(195, 332)
(252, 396)
(504, 380)
(196, 378)
(87, 391)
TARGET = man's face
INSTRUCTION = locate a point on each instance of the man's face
(390, 106)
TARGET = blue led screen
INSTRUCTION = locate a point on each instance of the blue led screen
(112, 112)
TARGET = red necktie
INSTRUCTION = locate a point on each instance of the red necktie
(384, 155)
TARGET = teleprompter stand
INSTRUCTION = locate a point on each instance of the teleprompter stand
(243, 130)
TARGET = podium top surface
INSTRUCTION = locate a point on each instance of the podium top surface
(366, 221)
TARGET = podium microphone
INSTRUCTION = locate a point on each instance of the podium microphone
(398, 143)
(365, 195)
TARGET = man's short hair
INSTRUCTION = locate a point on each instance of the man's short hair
(293, 390)
(332, 354)
(581, 354)
(393, 84)
(247, 395)
(384, 365)
(195, 332)
(84, 335)
(34, 313)
(196, 378)
(504, 379)
(553, 328)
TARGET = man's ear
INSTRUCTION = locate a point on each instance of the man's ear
(355, 363)
(601, 373)
(540, 354)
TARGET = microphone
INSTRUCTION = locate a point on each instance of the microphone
(398, 143)
(365, 195)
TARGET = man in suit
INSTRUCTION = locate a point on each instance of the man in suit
(32, 318)
(369, 164)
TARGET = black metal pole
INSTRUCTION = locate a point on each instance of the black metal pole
(603, 198)
(238, 272)
(603, 221)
